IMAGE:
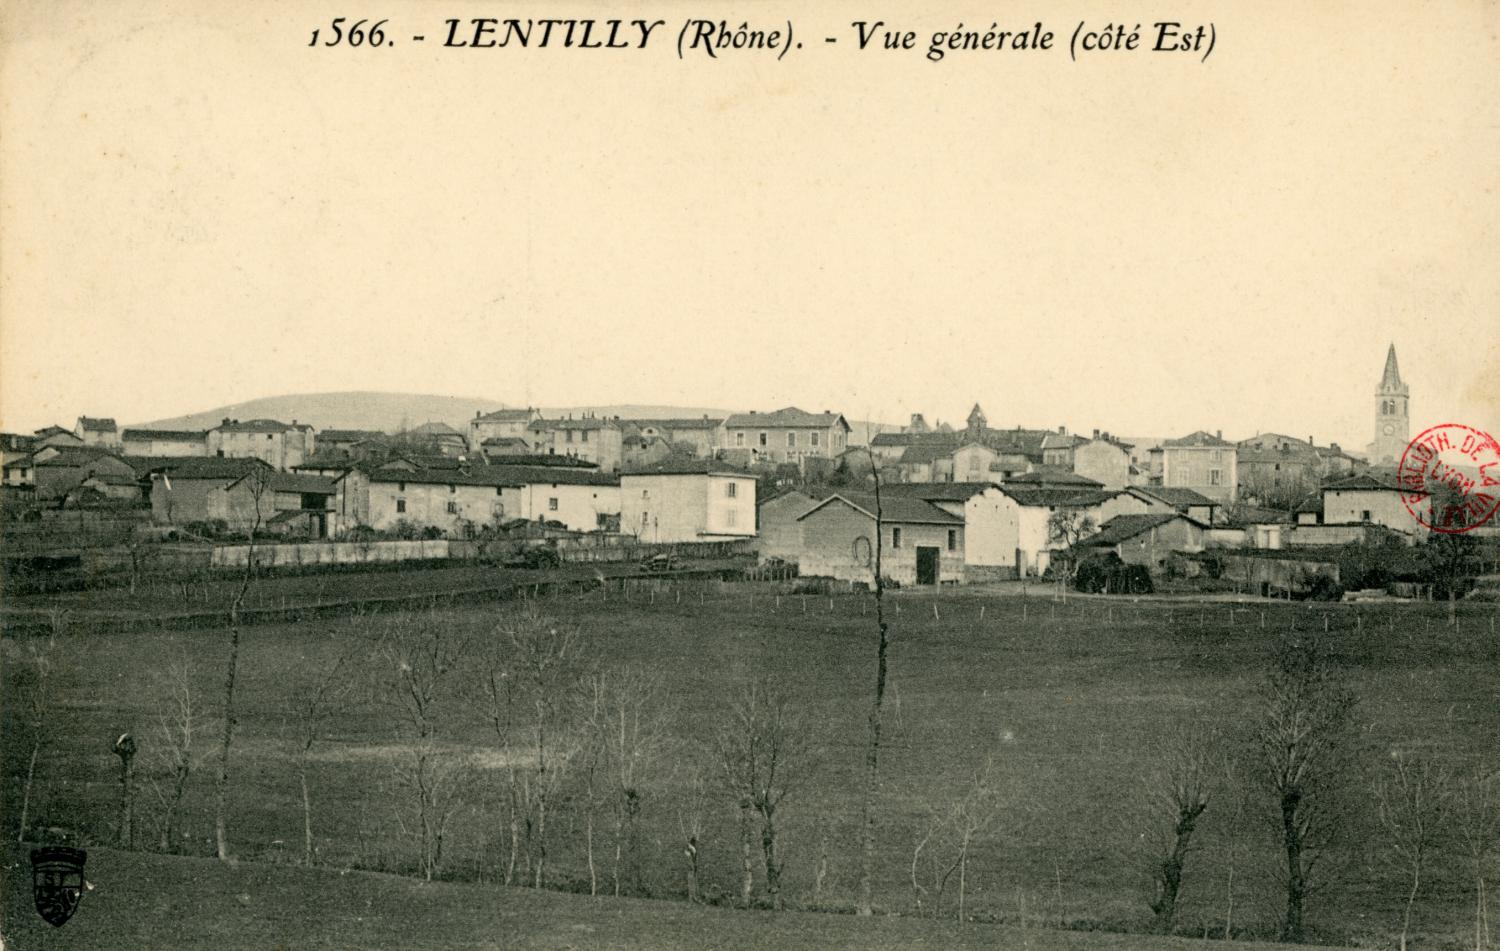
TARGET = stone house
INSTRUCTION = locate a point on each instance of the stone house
(1201, 461)
(279, 445)
(688, 501)
(165, 442)
(98, 431)
(778, 531)
(920, 543)
(596, 439)
(501, 424)
(787, 435)
(1147, 539)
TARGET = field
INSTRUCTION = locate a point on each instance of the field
(152, 901)
(1071, 700)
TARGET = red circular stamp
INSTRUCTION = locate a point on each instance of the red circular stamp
(1450, 478)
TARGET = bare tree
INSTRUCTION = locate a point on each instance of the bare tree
(1476, 811)
(761, 751)
(1412, 802)
(1177, 791)
(865, 905)
(171, 756)
(1068, 526)
(628, 719)
(420, 658)
(31, 697)
(313, 706)
(948, 840)
(690, 822)
(1302, 739)
(258, 482)
(543, 673)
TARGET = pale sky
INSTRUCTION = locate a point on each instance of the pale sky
(198, 209)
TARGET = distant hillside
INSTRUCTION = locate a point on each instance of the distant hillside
(390, 412)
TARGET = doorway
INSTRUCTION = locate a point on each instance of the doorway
(927, 565)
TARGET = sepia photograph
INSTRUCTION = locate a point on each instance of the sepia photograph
(749, 475)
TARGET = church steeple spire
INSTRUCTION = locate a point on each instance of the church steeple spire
(1390, 381)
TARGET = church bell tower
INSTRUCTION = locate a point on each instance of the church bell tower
(1392, 424)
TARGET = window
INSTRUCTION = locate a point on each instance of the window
(953, 539)
(552, 504)
(731, 490)
(498, 491)
(1215, 476)
(739, 439)
(452, 489)
(400, 505)
(268, 437)
(763, 441)
(583, 436)
(791, 440)
(452, 508)
(1364, 516)
(570, 436)
(400, 486)
(1218, 455)
(815, 440)
(730, 520)
(895, 537)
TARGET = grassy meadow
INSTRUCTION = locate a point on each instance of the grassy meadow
(1071, 702)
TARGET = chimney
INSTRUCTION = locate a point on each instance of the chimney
(1062, 430)
(1096, 434)
(1219, 433)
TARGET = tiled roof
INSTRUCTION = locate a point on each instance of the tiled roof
(548, 460)
(100, 424)
(897, 509)
(1176, 496)
(1364, 481)
(53, 431)
(15, 442)
(435, 429)
(788, 418)
(258, 426)
(1062, 441)
(506, 476)
(1051, 475)
(300, 482)
(582, 422)
(73, 455)
(936, 491)
(1199, 440)
(1050, 496)
(1123, 527)
(695, 423)
(1259, 515)
(505, 442)
(506, 416)
(209, 467)
(673, 467)
(165, 435)
(924, 454)
(350, 435)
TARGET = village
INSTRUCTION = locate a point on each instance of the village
(955, 505)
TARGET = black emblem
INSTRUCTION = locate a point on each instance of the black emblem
(57, 882)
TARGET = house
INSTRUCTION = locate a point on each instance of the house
(456, 500)
(1201, 461)
(279, 445)
(244, 493)
(787, 435)
(56, 436)
(640, 452)
(778, 531)
(1147, 539)
(1105, 460)
(1185, 501)
(1058, 448)
(500, 424)
(20, 471)
(989, 517)
(919, 542)
(97, 431)
(437, 438)
(930, 462)
(596, 439)
(1029, 527)
(1368, 499)
(58, 470)
(165, 442)
(700, 437)
(349, 443)
(687, 501)
(502, 447)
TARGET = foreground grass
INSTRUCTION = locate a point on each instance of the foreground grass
(144, 901)
(1069, 699)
